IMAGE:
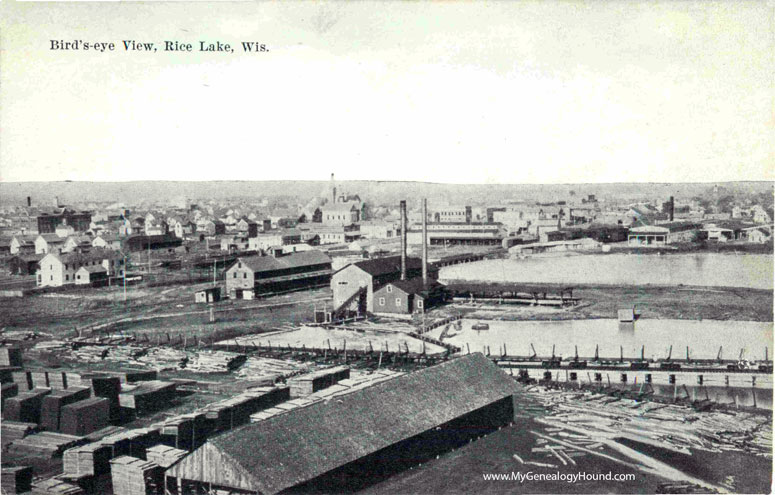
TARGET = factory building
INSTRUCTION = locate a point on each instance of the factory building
(359, 439)
(372, 274)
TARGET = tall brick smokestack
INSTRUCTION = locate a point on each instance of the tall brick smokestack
(425, 241)
(403, 239)
(672, 208)
(29, 201)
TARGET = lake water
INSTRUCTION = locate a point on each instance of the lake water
(702, 337)
(753, 271)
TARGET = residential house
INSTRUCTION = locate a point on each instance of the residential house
(22, 244)
(48, 243)
(247, 227)
(107, 242)
(81, 243)
(156, 228)
(61, 269)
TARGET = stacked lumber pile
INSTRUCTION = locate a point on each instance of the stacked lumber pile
(164, 358)
(51, 409)
(146, 396)
(105, 386)
(58, 346)
(87, 460)
(229, 413)
(132, 442)
(672, 426)
(132, 476)
(55, 486)
(16, 479)
(178, 432)
(97, 353)
(10, 356)
(25, 407)
(15, 430)
(215, 361)
(268, 369)
(45, 445)
(103, 432)
(85, 416)
(303, 385)
(134, 375)
(7, 391)
(57, 379)
(164, 456)
(22, 379)
(39, 378)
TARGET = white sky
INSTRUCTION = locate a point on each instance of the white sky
(445, 92)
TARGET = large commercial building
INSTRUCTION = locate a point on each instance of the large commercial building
(80, 221)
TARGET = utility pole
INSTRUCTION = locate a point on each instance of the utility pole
(124, 278)
(214, 277)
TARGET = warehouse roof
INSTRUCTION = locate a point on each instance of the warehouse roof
(389, 264)
(287, 450)
(294, 260)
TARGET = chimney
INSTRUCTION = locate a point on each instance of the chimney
(333, 190)
(672, 208)
(29, 201)
(425, 241)
(403, 239)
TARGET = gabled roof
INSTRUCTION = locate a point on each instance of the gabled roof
(51, 238)
(94, 269)
(294, 260)
(93, 255)
(389, 264)
(289, 449)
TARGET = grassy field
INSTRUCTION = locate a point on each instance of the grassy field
(154, 310)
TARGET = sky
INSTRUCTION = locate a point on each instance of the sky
(458, 92)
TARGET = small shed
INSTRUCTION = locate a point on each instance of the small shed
(209, 295)
(93, 274)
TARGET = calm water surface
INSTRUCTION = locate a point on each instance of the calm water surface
(753, 271)
(703, 338)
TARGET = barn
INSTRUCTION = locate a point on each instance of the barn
(358, 439)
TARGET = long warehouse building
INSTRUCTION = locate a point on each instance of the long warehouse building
(359, 438)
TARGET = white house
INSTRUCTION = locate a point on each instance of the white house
(57, 269)
(48, 243)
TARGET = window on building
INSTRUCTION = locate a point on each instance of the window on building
(245, 275)
(51, 277)
(67, 277)
(389, 288)
(235, 274)
(381, 301)
(79, 277)
(398, 301)
(419, 303)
